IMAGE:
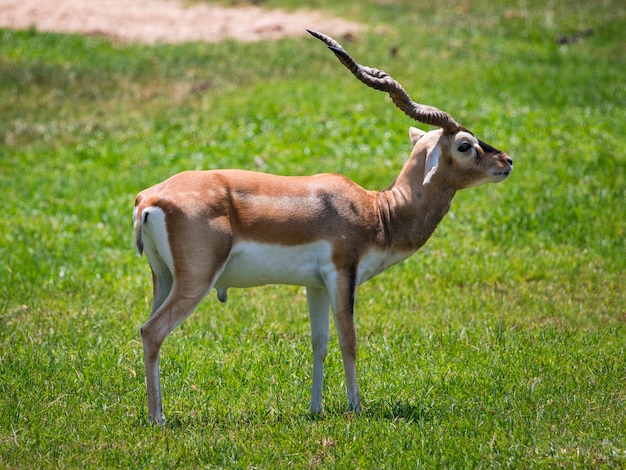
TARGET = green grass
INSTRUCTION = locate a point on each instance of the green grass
(500, 344)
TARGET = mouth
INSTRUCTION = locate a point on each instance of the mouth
(501, 175)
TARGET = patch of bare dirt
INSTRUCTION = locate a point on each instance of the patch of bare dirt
(166, 21)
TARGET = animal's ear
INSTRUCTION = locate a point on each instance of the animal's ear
(432, 163)
(415, 134)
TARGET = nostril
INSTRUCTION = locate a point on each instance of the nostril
(509, 161)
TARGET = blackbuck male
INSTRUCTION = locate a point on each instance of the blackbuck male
(232, 228)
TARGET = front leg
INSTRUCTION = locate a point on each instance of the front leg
(343, 309)
(319, 314)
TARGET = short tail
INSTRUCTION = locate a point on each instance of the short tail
(138, 224)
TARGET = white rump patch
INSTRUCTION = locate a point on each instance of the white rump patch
(155, 241)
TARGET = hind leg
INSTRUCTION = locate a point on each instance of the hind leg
(176, 295)
(162, 282)
(182, 300)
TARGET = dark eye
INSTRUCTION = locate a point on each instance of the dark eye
(464, 147)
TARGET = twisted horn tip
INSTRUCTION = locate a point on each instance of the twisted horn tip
(314, 33)
(330, 42)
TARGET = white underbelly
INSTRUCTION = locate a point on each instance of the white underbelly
(256, 264)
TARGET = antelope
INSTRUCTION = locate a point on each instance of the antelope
(217, 229)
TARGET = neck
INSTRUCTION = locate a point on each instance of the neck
(410, 211)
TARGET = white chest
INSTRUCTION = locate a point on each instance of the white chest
(376, 261)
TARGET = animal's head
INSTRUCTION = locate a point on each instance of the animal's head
(451, 152)
(459, 157)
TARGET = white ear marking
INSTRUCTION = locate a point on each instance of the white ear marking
(432, 163)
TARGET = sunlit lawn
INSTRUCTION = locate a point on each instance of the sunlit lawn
(500, 344)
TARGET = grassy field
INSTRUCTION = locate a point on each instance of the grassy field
(502, 343)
